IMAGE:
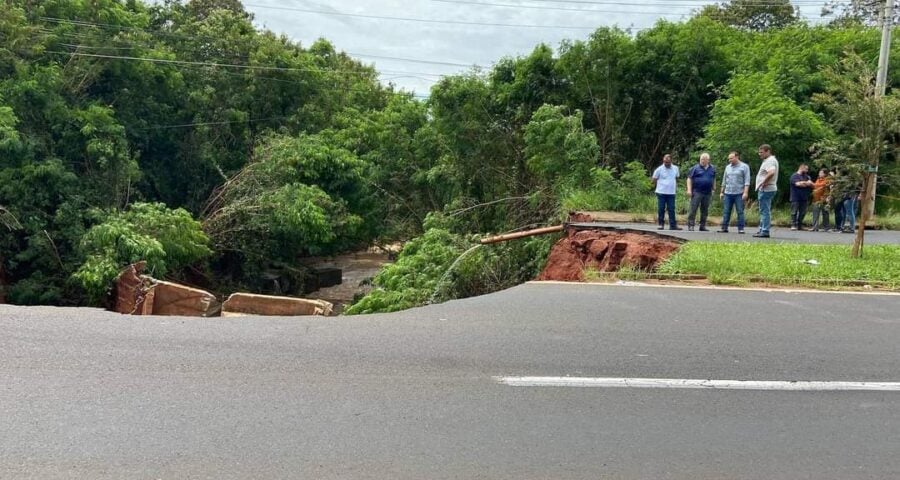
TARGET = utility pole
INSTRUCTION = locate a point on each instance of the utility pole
(887, 23)
(871, 177)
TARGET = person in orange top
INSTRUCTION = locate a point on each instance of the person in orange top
(821, 200)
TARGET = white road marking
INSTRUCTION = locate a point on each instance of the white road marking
(601, 382)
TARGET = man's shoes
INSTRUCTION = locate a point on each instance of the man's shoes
(676, 228)
(761, 235)
(703, 229)
(722, 230)
(815, 230)
(660, 227)
(794, 228)
(690, 228)
(741, 232)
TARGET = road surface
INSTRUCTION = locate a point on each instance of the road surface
(416, 395)
(779, 235)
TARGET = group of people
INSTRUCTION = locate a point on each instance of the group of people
(735, 190)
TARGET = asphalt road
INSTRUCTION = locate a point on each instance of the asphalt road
(90, 394)
(778, 235)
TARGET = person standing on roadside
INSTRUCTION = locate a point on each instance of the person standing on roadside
(821, 196)
(735, 191)
(766, 188)
(837, 201)
(665, 179)
(801, 189)
(701, 181)
(851, 201)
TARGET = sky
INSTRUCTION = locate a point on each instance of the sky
(437, 47)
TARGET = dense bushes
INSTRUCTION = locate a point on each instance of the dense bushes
(423, 274)
(166, 239)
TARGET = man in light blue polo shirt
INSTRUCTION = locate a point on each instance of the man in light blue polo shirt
(735, 191)
(665, 178)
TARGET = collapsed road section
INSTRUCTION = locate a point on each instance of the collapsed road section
(590, 246)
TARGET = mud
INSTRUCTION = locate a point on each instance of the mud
(606, 250)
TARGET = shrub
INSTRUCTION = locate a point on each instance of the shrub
(166, 239)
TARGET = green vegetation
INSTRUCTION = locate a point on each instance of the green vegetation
(817, 266)
(166, 239)
(115, 114)
(423, 274)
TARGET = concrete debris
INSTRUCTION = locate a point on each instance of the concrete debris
(250, 304)
(138, 294)
(134, 293)
(179, 300)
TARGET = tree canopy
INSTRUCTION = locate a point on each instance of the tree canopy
(114, 113)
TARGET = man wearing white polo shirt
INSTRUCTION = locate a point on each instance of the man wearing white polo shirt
(665, 178)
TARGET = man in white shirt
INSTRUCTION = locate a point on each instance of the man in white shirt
(665, 179)
(766, 188)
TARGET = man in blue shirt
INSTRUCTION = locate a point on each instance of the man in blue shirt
(735, 191)
(701, 180)
(801, 190)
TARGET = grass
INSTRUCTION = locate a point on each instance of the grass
(787, 264)
(625, 273)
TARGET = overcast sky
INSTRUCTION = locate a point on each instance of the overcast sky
(465, 45)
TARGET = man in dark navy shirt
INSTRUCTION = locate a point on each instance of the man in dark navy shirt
(801, 189)
(701, 181)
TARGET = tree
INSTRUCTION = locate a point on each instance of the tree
(867, 122)
(754, 111)
(753, 15)
(558, 149)
(865, 12)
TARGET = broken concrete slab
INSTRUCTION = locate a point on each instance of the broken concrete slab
(134, 292)
(250, 304)
(174, 299)
(138, 294)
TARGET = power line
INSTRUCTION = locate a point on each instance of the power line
(237, 56)
(414, 60)
(422, 20)
(588, 10)
(539, 7)
(199, 124)
(204, 64)
(764, 3)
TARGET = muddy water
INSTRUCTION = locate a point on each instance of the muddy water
(357, 272)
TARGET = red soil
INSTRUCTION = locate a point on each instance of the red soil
(606, 251)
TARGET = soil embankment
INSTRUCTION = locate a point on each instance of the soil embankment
(606, 250)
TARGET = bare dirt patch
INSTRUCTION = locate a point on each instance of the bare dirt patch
(606, 250)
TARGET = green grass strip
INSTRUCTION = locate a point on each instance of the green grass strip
(820, 266)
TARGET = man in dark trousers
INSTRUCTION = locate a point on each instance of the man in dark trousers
(801, 189)
(701, 181)
(665, 179)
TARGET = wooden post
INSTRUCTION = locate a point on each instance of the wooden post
(517, 235)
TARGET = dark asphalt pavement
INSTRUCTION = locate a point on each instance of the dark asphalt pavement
(778, 235)
(91, 394)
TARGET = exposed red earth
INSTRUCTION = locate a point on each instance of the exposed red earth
(605, 250)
